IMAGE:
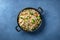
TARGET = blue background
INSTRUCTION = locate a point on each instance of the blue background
(9, 10)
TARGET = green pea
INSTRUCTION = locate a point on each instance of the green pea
(33, 21)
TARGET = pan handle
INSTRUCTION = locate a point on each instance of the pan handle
(40, 9)
(17, 28)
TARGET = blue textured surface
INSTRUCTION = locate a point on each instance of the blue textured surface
(9, 10)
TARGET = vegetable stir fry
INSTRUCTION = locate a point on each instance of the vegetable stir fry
(29, 20)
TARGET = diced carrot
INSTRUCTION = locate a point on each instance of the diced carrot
(36, 14)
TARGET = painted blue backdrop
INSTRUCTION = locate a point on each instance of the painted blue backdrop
(50, 28)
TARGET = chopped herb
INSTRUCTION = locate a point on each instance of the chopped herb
(38, 17)
(33, 21)
(31, 13)
(21, 17)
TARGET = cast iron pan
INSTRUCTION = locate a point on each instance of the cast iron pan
(39, 10)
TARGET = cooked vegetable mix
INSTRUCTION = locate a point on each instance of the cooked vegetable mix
(33, 21)
(29, 19)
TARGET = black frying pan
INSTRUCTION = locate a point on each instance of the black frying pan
(39, 10)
